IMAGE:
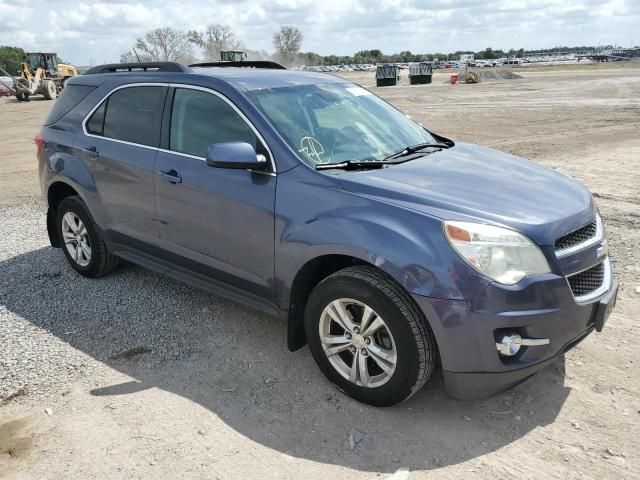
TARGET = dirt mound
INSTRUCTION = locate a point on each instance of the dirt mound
(507, 74)
(496, 74)
(490, 74)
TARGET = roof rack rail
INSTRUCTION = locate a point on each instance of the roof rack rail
(243, 64)
(139, 67)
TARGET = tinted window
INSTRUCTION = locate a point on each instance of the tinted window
(95, 124)
(328, 123)
(199, 119)
(71, 96)
(132, 115)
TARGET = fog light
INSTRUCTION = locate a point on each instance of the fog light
(510, 343)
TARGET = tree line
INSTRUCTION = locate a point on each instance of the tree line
(169, 44)
(377, 56)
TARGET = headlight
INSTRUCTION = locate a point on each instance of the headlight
(503, 255)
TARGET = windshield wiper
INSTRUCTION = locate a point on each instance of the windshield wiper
(353, 165)
(358, 164)
(415, 148)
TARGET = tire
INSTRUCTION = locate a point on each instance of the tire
(405, 337)
(99, 261)
(22, 82)
(49, 89)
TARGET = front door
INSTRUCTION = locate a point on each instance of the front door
(219, 218)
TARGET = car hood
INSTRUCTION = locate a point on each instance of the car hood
(468, 182)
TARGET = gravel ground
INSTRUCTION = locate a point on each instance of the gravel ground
(36, 358)
(139, 376)
(133, 312)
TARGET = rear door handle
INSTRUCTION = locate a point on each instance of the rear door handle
(91, 151)
(171, 176)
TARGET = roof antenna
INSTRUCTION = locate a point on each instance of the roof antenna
(134, 51)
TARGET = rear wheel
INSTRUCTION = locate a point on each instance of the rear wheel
(81, 239)
(368, 336)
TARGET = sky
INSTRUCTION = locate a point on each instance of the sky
(85, 33)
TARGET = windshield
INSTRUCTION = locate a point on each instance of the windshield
(331, 123)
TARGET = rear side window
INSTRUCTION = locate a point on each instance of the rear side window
(95, 125)
(199, 119)
(131, 114)
(71, 96)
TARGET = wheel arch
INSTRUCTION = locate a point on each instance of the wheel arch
(305, 280)
(311, 274)
(56, 192)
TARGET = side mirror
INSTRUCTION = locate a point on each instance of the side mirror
(239, 155)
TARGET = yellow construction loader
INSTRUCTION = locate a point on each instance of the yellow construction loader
(42, 74)
(233, 55)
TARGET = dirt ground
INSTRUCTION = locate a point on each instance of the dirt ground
(232, 402)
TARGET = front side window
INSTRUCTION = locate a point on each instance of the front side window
(336, 122)
(199, 119)
(132, 114)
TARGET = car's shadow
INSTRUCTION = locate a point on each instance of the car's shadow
(235, 363)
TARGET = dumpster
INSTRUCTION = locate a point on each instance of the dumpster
(387, 75)
(420, 73)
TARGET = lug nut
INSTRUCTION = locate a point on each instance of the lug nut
(347, 336)
(356, 330)
(353, 349)
(367, 341)
(364, 352)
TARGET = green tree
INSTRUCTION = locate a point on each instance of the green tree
(367, 56)
(406, 56)
(486, 54)
(11, 58)
(309, 58)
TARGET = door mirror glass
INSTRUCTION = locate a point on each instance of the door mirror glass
(235, 155)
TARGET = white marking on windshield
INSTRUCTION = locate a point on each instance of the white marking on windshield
(312, 148)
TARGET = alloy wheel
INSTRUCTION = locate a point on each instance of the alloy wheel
(76, 239)
(358, 343)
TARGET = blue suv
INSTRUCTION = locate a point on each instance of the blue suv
(389, 250)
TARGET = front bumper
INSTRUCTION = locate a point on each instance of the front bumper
(539, 307)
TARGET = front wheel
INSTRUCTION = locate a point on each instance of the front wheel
(49, 89)
(368, 336)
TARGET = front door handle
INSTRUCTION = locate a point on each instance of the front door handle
(171, 176)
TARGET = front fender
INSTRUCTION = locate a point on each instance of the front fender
(318, 218)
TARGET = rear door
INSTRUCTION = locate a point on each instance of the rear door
(220, 222)
(120, 142)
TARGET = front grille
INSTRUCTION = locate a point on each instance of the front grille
(588, 281)
(577, 236)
